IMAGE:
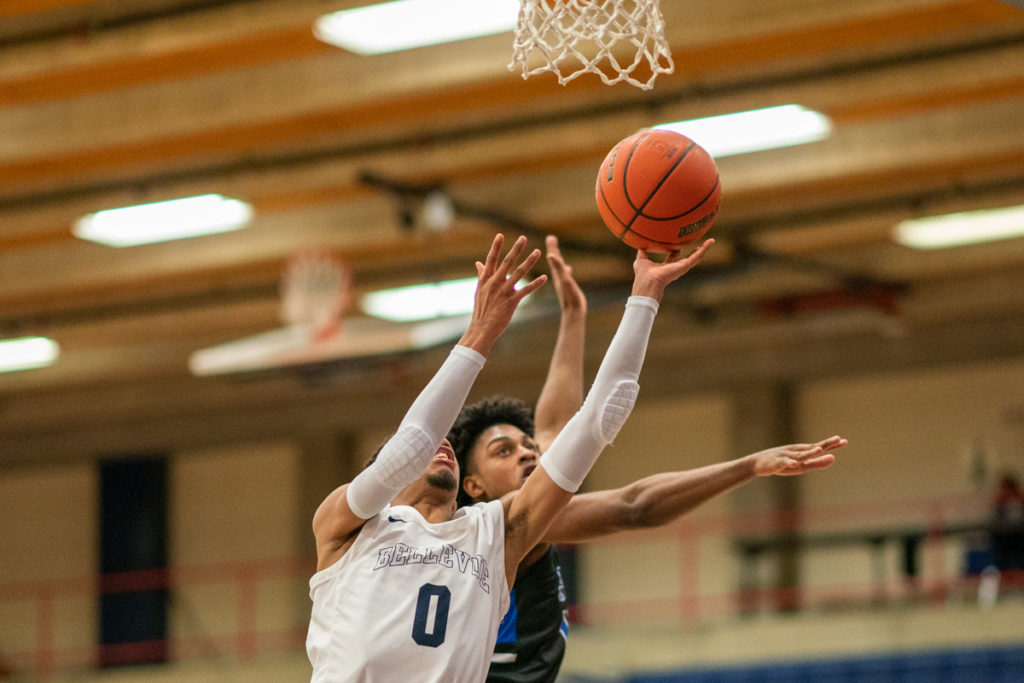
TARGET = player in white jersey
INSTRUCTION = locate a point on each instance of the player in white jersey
(406, 587)
(411, 600)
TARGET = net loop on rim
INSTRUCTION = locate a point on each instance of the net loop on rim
(575, 37)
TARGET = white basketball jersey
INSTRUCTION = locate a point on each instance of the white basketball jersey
(412, 601)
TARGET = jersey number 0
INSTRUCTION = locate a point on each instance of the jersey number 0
(431, 621)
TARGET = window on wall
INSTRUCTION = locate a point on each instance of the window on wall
(133, 560)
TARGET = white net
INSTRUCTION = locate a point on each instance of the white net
(315, 291)
(619, 40)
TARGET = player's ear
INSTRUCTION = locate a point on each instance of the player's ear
(472, 486)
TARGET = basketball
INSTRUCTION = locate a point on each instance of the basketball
(658, 190)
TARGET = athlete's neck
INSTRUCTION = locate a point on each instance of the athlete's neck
(436, 505)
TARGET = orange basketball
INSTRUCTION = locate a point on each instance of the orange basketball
(658, 190)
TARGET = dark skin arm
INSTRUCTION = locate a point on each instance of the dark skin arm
(532, 509)
(661, 498)
(562, 394)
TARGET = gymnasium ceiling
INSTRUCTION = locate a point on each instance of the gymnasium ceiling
(106, 103)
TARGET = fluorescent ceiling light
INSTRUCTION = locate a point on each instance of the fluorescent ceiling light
(422, 302)
(756, 130)
(161, 221)
(957, 229)
(26, 353)
(404, 24)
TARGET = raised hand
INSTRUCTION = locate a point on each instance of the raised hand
(651, 278)
(496, 296)
(793, 459)
(562, 394)
(570, 296)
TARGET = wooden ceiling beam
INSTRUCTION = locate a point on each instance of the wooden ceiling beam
(134, 70)
(783, 205)
(14, 8)
(225, 143)
(197, 53)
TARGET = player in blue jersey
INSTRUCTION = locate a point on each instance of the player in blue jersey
(498, 446)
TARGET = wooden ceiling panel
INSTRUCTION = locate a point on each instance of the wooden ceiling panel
(106, 103)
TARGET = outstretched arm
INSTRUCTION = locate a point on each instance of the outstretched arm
(408, 452)
(562, 394)
(661, 498)
(530, 511)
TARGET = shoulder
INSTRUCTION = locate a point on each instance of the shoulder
(490, 513)
(333, 519)
(492, 510)
(490, 517)
(331, 545)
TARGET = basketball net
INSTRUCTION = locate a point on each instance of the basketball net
(316, 289)
(563, 32)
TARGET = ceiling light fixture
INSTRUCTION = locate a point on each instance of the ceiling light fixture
(962, 228)
(405, 24)
(26, 353)
(162, 221)
(756, 130)
(422, 302)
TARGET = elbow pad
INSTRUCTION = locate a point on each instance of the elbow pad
(400, 463)
(575, 449)
(616, 409)
(609, 401)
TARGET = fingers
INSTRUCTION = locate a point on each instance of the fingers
(698, 254)
(551, 244)
(823, 446)
(819, 462)
(492, 256)
(513, 255)
(832, 443)
(804, 452)
(558, 268)
(675, 256)
(532, 286)
(801, 458)
(501, 270)
(554, 256)
(529, 262)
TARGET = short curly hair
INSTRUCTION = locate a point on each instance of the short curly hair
(476, 418)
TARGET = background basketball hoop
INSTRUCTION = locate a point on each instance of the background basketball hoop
(593, 36)
(316, 290)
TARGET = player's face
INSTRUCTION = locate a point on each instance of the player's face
(443, 471)
(503, 457)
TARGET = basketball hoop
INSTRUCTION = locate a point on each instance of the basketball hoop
(564, 32)
(315, 291)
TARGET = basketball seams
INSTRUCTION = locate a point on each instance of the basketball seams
(674, 244)
(613, 154)
(709, 195)
(625, 170)
(625, 188)
(653, 240)
(668, 174)
(611, 211)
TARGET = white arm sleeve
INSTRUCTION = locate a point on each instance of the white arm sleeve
(609, 401)
(406, 454)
